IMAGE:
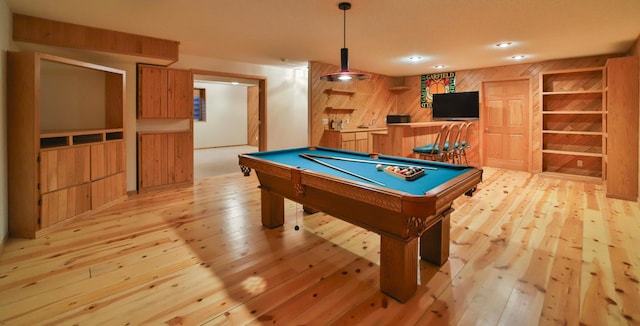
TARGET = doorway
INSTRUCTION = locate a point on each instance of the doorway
(505, 124)
(221, 115)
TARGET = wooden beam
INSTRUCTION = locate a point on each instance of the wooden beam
(49, 32)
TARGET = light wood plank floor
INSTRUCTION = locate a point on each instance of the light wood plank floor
(525, 250)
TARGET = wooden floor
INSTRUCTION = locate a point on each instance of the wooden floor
(525, 250)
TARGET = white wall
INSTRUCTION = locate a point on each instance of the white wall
(5, 35)
(226, 116)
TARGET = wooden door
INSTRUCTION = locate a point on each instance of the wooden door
(505, 121)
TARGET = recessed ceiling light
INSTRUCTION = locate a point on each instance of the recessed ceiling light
(439, 66)
(235, 83)
(517, 57)
(503, 44)
(415, 59)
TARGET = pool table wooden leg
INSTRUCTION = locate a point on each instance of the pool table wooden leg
(398, 267)
(434, 242)
(272, 208)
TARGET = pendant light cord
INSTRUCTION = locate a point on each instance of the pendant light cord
(344, 28)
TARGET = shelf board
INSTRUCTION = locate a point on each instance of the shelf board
(337, 110)
(399, 89)
(572, 153)
(601, 91)
(574, 112)
(571, 176)
(564, 132)
(571, 71)
(331, 91)
(75, 132)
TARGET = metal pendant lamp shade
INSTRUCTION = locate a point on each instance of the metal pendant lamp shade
(345, 74)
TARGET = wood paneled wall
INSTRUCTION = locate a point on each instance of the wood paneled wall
(371, 101)
(373, 98)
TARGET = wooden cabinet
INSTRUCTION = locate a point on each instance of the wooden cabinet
(58, 111)
(164, 93)
(573, 112)
(359, 140)
(165, 158)
(622, 128)
(355, 141)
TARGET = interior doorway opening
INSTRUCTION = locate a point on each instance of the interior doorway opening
(232, 120)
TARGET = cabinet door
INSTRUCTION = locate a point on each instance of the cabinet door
(362, 142)
(180, 94)
(62, 204)
(164, 159)
(152, 92)
(152, 153)
(107, 159)
(62, 168)
(108, 189)
(180, 151)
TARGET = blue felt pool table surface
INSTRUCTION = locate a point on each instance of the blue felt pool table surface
(443, 172)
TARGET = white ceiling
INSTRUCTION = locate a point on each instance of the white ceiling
(380, 34)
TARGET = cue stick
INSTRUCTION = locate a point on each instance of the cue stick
(367, 161)
(339, 169)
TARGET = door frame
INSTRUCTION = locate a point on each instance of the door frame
(529, 113)
(262, 99)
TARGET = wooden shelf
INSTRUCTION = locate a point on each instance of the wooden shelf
(331, 109)
(61, 138)
(573, 112)
(331, 91)
(571, 177)
(551, 151)
(566, 132)
(399, 89)
(572, 92)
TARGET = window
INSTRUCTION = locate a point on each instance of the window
(199, 104)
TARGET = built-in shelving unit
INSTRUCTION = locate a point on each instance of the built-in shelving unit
(66, 130)
(573, 122)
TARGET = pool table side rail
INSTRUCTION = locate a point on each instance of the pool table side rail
(382, 197)
(386, 198)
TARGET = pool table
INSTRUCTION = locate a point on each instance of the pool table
(409, 216)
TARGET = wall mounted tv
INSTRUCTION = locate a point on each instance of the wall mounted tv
(456, 106)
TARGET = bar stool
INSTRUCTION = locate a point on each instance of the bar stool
(435, 151)
(453, 142)
(464, 142)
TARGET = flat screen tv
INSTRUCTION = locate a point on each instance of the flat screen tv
(456, 106)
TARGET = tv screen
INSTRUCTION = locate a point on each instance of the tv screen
(456, 106)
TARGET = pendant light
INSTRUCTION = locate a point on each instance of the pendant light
(345, 74)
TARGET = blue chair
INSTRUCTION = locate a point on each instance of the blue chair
(436, 151)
